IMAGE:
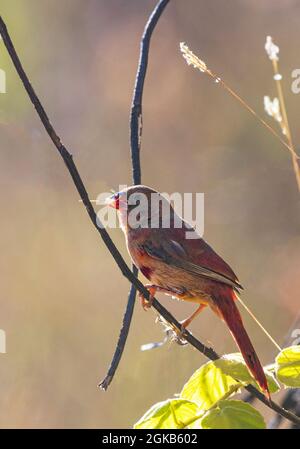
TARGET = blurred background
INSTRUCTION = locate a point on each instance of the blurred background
(62, 296)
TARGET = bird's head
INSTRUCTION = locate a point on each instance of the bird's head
(138, 206)
(130, 196)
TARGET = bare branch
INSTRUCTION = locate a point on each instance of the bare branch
(104, 384)
(135, 147)
(136, 122)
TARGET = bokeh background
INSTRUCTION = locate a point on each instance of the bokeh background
(62, 296)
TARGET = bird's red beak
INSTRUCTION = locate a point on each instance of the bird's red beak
(113, 201)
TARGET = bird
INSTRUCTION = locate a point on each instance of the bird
(185, 268)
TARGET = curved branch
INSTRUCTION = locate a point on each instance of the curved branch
(68, 160)
(135, 147)
(136, 122)
(104, 384)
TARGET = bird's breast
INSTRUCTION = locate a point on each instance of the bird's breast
(142, 261)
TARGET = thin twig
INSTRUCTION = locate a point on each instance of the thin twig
(135, 147)
(104, 384)
(68, 160)
(290, 400)
(197, 63)
(136, 121)
(285, 126)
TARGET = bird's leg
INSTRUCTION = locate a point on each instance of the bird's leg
(146, 304)
(185, 323)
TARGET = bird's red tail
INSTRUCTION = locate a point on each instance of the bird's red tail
(227, 309)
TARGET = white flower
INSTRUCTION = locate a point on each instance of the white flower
(272, 108)
(271, 49)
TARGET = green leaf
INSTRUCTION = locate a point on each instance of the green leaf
(288, 366)
(169, 414)
(208, 385)
(234, 365)
(233, 415)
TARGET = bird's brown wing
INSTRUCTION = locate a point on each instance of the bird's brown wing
(172, 253)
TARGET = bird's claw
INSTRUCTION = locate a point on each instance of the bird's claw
(146, 303)
(179, 338)
(173, 333)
